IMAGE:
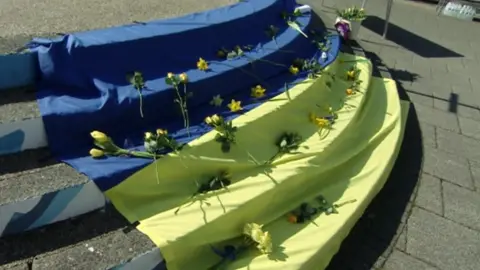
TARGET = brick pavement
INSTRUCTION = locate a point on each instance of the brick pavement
(428, 215)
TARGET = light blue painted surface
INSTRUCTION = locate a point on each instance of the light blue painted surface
(12, 142)
(61, 200)
(17, 70)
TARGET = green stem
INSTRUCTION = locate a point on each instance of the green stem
(141, 101)
(182, 108)
(186, 110)
(156, 169)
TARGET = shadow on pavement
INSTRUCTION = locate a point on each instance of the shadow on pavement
(377, 231)
(410, 41)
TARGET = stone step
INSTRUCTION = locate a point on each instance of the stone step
(21, 126)
(35, 190)
(102, 239)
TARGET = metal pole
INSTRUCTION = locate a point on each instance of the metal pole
(364, 2)
(387, 17)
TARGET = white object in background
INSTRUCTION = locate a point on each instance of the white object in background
(304, 9)
(324, 56)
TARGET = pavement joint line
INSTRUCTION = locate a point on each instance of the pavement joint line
(446, 180)
(446, 218)
(418, 258)
(472, 177)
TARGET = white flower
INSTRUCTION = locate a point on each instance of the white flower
(283, 143)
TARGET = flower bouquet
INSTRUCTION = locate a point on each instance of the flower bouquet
(348, 22)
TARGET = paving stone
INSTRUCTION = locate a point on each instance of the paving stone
(428, 135)
(441, 242)
(447, 166)
(458, 144)
(462, 109)
(475, 168)
(469, 127)
(437, 118)
(400, 261)
(430, 194)
(462, 205)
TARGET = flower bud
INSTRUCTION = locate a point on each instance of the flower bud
(183, 77)
(162, 132)
(208, 120)
(98, 136)
(148, 136)
(216, 119)
(96, 153)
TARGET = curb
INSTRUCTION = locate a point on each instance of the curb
(17, 70)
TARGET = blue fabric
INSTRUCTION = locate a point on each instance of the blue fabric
(83, 83)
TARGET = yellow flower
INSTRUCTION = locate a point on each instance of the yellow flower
(351, 75)
(253, 230)
(362, 10)
(235, 106)
(293, 69)
(258, 91)
(265, 243)
(322, 122)
(160, 132)
(96, 153)
(100, 137)
(216, 101)
(170, 75)
(202, 64)
(183, 77)
(148, 136)
(216, 119)
(349, 92)
(263, 239)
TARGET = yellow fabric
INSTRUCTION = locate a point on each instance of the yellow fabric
(351, 162)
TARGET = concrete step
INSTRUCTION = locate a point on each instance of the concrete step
(102, 239)
(21, 126)
(35, 190)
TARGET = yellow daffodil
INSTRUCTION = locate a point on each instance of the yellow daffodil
(100, 137)
(362, 10)
(322, 122)
(349, 92)
(235, 106)
(265, 243)
(96, 153)
(183, 77)
(202, 64)
(216, 101)
(293, 69)
(351, 75)
(148, 136)
(161, 132)
(170, 75)
(258, 91)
